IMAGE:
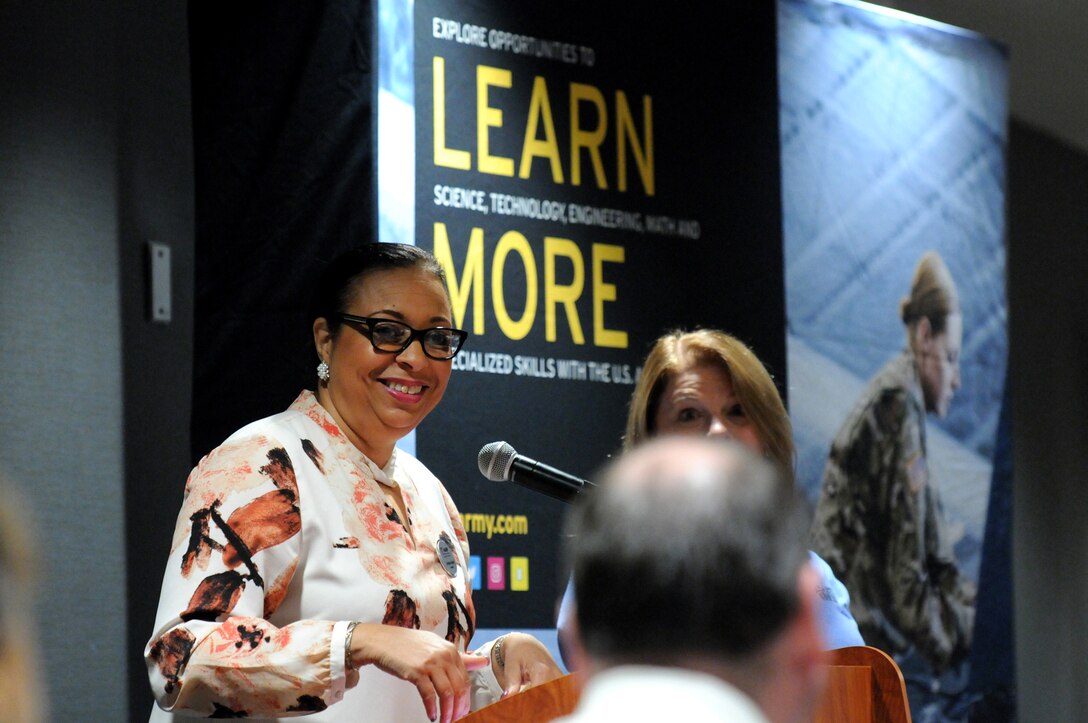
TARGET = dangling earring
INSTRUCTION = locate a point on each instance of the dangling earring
(323, 372)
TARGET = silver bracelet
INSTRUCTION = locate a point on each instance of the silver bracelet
(496, 652)
(349, 663)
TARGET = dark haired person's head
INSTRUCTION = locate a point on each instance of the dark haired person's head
(342, 277)
(383, 331)
(692, 553)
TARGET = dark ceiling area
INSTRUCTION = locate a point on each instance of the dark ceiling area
(1047, 42)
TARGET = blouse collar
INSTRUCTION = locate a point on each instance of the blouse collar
(307, 403)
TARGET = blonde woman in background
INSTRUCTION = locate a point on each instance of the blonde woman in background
(709, 383)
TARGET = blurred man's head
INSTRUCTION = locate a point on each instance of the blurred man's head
(21, 697)
(691, 553)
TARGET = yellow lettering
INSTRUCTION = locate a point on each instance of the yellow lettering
(540, 109)
(602, 292)
(514, 241)
(565, 295)
(488, 117)
(644, 153)
(443, 156)
(473, 276)
(590, 140)
(469, 285)
(589, 126)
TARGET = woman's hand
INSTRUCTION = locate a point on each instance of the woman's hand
(520, 661)
(434, 666)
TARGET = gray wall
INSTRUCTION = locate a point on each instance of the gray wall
(1048, 371)
(155, 184)
(95, 157)
(60, 429)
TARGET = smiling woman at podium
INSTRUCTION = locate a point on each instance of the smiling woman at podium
(315, 568)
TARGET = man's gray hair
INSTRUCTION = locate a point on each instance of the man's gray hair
(688, 546)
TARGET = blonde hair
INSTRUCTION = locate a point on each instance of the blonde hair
(752, 385)
(932, 296)
(21, 700)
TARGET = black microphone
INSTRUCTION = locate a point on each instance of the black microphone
(499, 462)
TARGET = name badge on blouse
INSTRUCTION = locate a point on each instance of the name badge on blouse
(446, 555)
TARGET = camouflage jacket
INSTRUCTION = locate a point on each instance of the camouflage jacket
(880, 525)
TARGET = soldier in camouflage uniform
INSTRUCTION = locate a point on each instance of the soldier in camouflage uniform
(879, 522)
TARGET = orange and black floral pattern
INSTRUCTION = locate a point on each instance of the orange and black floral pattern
(284, 536)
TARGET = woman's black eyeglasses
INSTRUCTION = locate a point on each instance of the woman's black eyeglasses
(392, 337)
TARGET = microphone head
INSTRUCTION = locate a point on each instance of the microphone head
(495, 460)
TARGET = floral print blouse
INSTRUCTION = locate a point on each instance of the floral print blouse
(284, 537)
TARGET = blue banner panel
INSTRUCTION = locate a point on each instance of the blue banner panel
(893, 133)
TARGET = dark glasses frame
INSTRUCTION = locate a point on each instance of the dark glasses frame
(458, 335)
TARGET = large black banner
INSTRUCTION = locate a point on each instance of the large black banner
(590, 174)
(589, 178)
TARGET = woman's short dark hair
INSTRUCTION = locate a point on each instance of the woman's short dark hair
(342, 277)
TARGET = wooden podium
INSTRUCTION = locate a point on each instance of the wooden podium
(537, 705)
(864, 685)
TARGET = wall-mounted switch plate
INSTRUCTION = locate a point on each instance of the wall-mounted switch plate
(160, 281)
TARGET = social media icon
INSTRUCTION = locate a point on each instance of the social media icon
(474, 571)
(519, 573)
(496, 573)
